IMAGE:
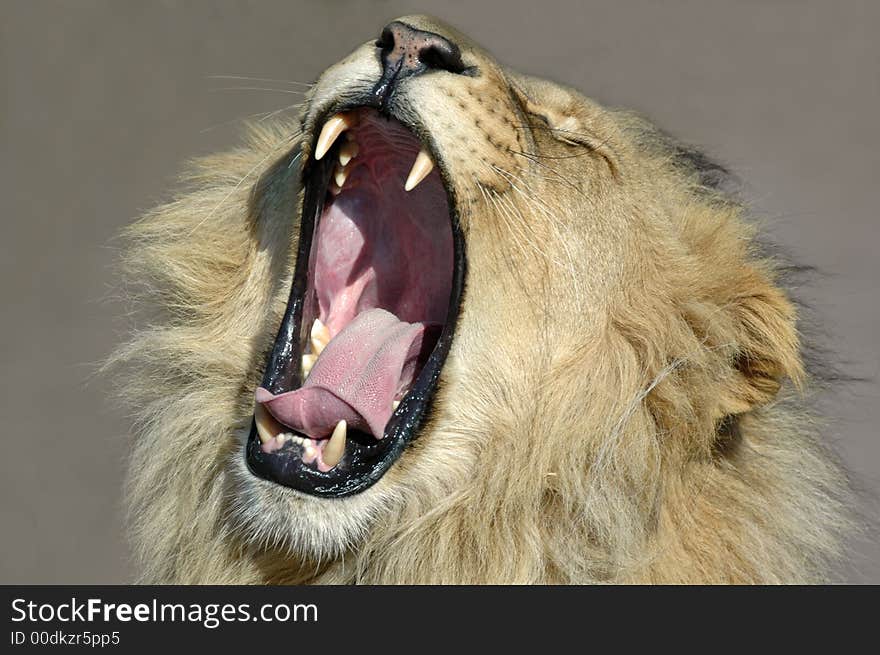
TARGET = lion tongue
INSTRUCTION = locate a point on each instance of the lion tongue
(356, 377)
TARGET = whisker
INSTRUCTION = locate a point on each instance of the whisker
(259, 88)
(549, 168)
(541, 206)
(599, 143)
(522, 224)
(258, 79)
(517, 234)
(263, 116)
(547, 128)
(492, 198)
(278, 111)
(534, 154)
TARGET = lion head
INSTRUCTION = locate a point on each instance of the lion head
(458, 324)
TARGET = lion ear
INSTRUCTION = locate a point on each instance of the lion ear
(569, 116)
(767, 346)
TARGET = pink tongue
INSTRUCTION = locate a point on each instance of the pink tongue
(356, 377)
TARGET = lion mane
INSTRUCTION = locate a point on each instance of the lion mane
(625, 400)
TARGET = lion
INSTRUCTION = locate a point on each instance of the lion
(457, 324)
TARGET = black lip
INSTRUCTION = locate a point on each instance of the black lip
(366, 459)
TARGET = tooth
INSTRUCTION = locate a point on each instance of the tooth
(340, 176)
(395, 405)
(267, 427)
(320, 331)
(307, 362)
(320, 336)
(331, 131)
(336, 446)
(347, 152)
(420, 169)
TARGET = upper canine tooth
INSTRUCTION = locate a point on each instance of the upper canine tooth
(336, 446)
(420, 169)
(331, 130)
(347, 152)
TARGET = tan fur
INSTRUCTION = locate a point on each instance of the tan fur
(616, 311)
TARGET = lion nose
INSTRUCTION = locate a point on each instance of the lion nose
(407, 51)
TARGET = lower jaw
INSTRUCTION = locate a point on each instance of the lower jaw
(362, 467)
(366, 458)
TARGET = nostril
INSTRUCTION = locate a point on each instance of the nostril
(406, 51)
(442, 55)
(385, 42)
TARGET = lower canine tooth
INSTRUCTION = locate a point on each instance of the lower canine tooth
(420, 169)
(267, 427)
(336, 446)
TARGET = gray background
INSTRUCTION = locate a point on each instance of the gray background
(102, 101)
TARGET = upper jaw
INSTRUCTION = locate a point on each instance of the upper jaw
(347, 104)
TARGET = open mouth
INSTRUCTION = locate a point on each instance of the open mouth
(371, 314)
